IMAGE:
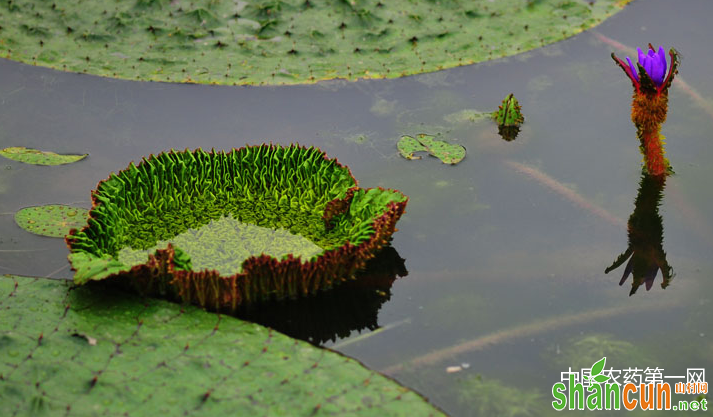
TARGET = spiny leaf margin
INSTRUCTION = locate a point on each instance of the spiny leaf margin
(268, 185)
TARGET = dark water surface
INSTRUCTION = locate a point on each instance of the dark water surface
(505, 252)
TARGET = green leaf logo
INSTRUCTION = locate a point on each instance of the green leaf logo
(601, 378)
(597, 368)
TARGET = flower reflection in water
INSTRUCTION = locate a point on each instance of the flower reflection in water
(645, 229)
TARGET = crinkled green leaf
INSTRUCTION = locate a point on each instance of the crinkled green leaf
(320, 232)
(36, 157)
(282, 41)
(89, 351)
(53, 220)
(446, 152)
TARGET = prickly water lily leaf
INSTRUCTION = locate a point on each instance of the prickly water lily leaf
(88, 351)
(282, 41)
(224, 230)
(53, 220)
(446, 152)
(36, 157)
(509, 113)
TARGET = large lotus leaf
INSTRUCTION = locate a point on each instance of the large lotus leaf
(36, 157)
(53, 220)
(282, 41)
(224, 230)
(448, 153)
(89, 352)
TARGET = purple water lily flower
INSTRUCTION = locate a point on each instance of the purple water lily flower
(653, 62)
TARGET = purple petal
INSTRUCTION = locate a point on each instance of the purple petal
(642, 57)
(649, 66)
(662, 57)
(656, 71)
(633, 68)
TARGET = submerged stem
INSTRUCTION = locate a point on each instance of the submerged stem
(528, 330)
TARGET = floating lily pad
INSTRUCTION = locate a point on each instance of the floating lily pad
(90, 351)
(35, 157)
(446, 152)
(53, 220)
(282, 41)
(169, 207)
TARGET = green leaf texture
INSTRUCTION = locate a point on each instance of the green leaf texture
(282, 41)
(448, 153)
(53, 220)
(87, 352)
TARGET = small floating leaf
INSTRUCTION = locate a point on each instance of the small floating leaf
(53, 220)
(446, 152)
(35, 157)
(408, 146)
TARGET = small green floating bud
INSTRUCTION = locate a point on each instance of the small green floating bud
(508, 114)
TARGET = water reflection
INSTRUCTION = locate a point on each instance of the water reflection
(645, 229)
(353, 305)
(508, 133)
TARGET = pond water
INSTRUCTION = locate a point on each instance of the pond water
(505, 251)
